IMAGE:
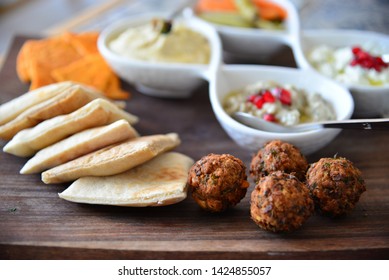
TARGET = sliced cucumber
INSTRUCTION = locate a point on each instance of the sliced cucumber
(247, 9)
(268, 24)
(231, 19)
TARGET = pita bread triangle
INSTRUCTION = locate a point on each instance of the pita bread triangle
(96, 113)
(11, 109)
(78, 145)
(160, 181)
(65, 102)
(113, 159)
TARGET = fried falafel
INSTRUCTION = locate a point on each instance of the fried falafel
(335, 185)
(280, 203)
(218, 182)
(278, 155)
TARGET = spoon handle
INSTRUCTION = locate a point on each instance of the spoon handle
(367, 124)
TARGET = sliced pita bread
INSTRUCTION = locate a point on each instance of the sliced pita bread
(113, 159)
(96, 113)
(65, 102)
(13, 108)
(78, 145)
(160, 181)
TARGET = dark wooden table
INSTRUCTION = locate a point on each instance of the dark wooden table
(36, 224)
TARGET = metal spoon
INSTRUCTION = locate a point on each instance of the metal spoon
(255, 122)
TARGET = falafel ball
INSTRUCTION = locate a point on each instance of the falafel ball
(335, 185)
(278, 155)
(218, 182)
(280, 202)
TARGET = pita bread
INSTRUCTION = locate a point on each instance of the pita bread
(113, 159)
(16, 106)
(79, 144)
(96, 113)
(65, 102)
(160, 181)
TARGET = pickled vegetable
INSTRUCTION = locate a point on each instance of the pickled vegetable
(243, 13)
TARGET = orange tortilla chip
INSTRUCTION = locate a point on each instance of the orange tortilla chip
(56, 53)
(91, 70)
(68, 57)
(40, 75)
(39, 58)
(113, 89)
(23, 61)
(95, 75)
(84, 43)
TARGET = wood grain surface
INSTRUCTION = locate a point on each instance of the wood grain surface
(36, 224)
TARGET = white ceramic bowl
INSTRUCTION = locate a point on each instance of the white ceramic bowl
(231, 77)
(175, 80)
(370, 101)
(259, 43)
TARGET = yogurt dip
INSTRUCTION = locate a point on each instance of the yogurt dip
(350, 65)
(284, 104)
(159, 41)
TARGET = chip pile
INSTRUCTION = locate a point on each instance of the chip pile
(68, 57)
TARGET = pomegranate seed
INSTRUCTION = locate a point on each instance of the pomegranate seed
(366, 60)
(261, 98)
(379, 60)
(269, 118)
(354, 62)
(259, 103)
(363, 55)
(356, 50)
(285, 97)
(268, 97)
(251, 98)
(257, 100)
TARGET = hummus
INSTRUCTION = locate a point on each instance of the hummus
(284, 104)
(149, 43)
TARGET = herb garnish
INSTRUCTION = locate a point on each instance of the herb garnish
(13, 209)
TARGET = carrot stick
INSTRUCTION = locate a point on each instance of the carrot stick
(266, 9)
(216, 6)
(269, 10)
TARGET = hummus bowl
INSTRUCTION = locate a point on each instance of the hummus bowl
(232, 77)
(161, 79)
(261, 44)
(370, 101)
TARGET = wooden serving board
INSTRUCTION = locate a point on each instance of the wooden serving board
(36, 224)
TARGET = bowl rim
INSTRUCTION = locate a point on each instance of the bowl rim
(123, 24)
(222, 115)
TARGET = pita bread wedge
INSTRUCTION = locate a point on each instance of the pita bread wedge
(65, 102)
(113, 159)
(78, 145)
(158, 182)
(96, 113)
(13, 108)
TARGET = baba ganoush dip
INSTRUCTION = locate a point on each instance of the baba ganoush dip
(351, 65)
(162, 41)
(284, 104)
